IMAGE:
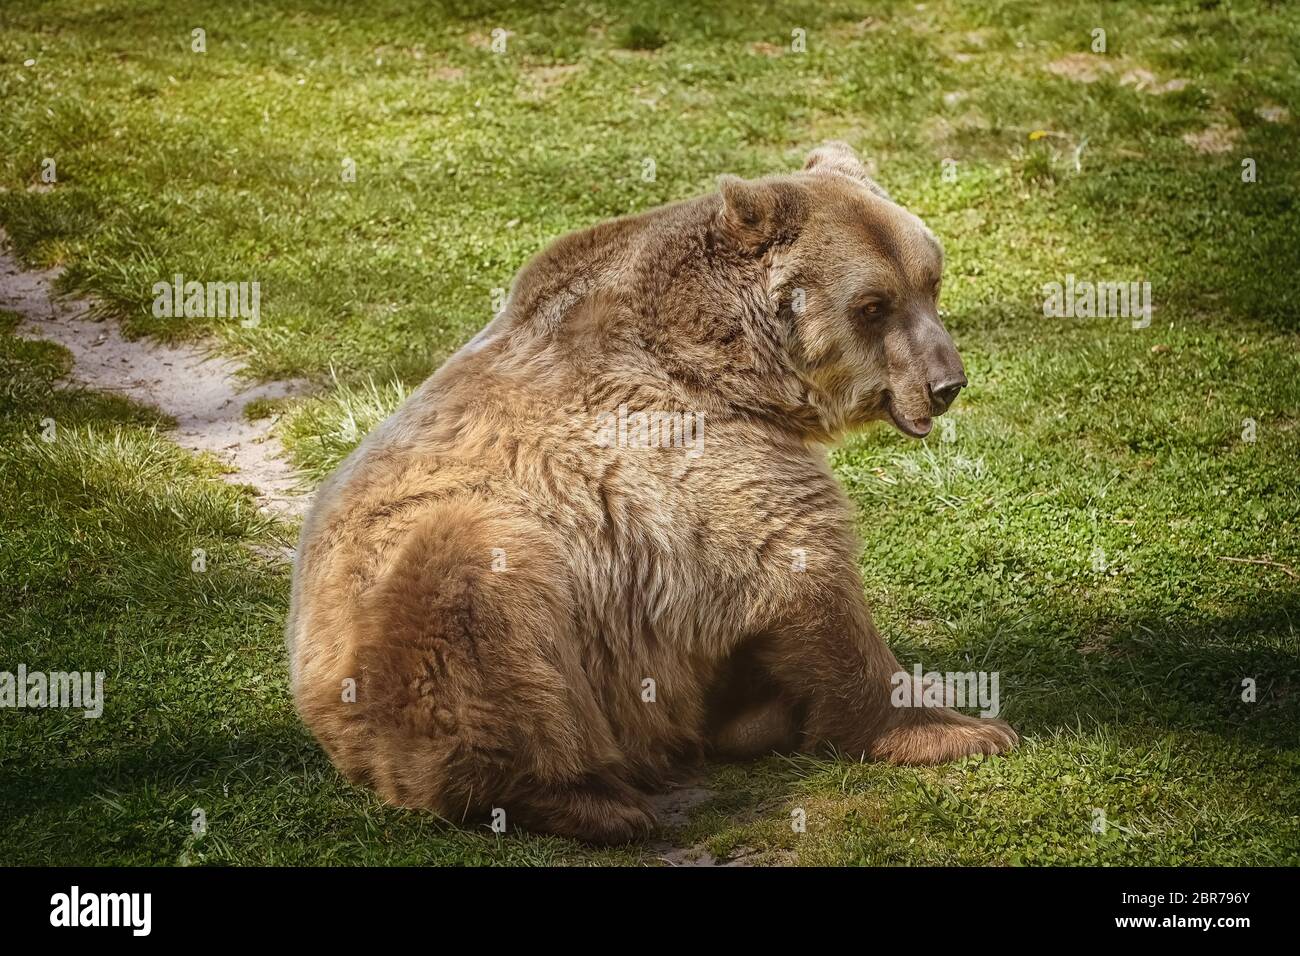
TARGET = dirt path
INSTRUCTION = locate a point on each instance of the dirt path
(202, 392)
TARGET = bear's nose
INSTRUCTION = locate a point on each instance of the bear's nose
(943, 395)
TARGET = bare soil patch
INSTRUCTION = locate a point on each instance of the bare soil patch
(205, 393)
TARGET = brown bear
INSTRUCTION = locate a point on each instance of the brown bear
(603, 541)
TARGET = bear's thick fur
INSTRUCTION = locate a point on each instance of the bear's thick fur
(603, 540)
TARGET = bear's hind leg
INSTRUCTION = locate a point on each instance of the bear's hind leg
(750, 715)
(594, 809)
(767, 728)
(466, 699)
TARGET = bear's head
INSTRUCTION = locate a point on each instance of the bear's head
(853, 279)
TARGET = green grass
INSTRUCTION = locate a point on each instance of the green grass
(1077, 439)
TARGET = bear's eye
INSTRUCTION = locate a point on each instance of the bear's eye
(872, 309)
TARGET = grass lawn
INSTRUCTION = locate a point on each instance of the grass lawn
(1070, 531)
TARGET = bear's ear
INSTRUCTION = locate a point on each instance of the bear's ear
(755, 212)
(837, 157)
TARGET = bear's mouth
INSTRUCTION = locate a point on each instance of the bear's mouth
(916, 427)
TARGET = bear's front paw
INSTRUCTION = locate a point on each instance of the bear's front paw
(940, 735)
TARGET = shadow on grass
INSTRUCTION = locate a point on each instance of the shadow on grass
(1143, 666)
(277, 751)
